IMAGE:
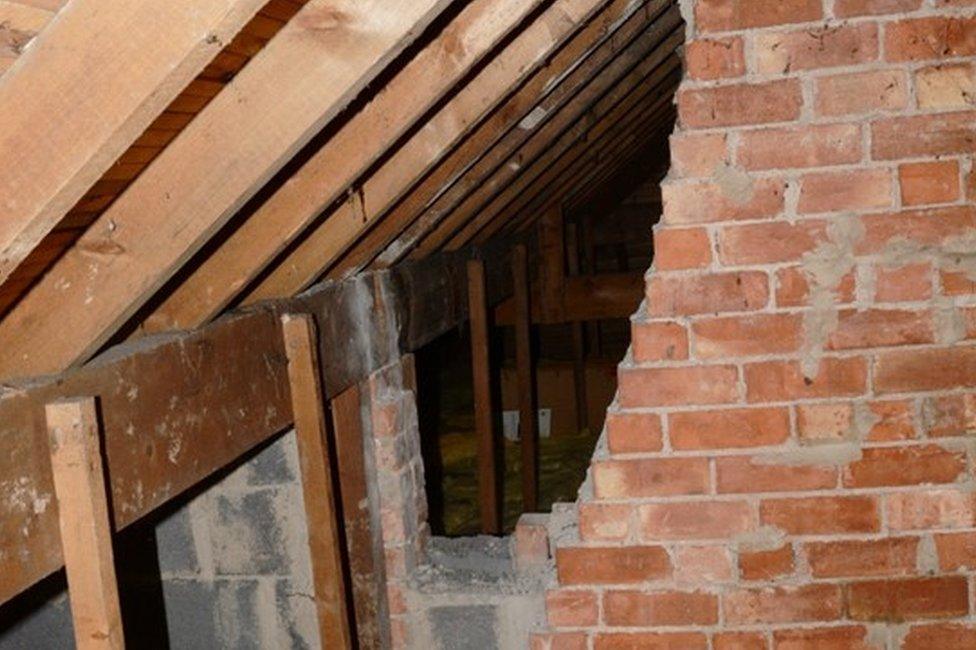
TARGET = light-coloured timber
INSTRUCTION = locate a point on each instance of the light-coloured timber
(65, 118)
(306, 75)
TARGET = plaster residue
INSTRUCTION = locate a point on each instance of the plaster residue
(927, 559)
(734, 183)
(829, 455)
(824, 268)
(23, 496)
(766, 538)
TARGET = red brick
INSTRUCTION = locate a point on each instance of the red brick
(956, 283)
(709, 293)
(695, 520)
(905, 283)
(908, 599)
(866, 328)
(832, 422)
(793, 288)
(957, 551)
(708, 201)
(702, 565)
(698, 154)
(946, 508)
(856, 189)
(706, 108)
(929, 182)
(822, 47)
(826, 638)
(739, 641)
(651, 641)
(750, 335)
(571, 607)
(806, 146)
(920, 370)
(947, 636)
(656, 341)
(648, 387)
(949, 415)
(775, 381)
(932, 227)
(894, 420)
(726, 15)
(611, 565)
(936, 37)
(855, 558)
(849, 8)
(915, 465)
(629, 433)
(769, 243)
(783, 605)
(945, 86)
(647, 477)
(732, 428)
(667, 608)
(861, 92)
(822, 515)
(604, 522)
(924, 135)
(744, 475)
(766, 565)
(686, 248)
(718, 58)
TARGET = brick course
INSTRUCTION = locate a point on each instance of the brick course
(789, 461)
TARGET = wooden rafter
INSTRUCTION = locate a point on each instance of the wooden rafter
(520, 59)
(305, 76)
(558, 113)
(626, 97)
(591, 49)
(347, 154)
(66, 118)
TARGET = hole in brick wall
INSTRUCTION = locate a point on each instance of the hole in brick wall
(612, 234)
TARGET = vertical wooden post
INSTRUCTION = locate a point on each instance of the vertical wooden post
(86, 535)
(366, 571)
(488, 483)
(589, 267)
(308, 409)
(552, 269)
(579, 340)
(524, 363)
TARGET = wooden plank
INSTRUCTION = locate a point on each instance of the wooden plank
(66, 118)
(389, 184)
(563, 109)
(489, 485)
(306, 75)
(363, 542)
(631, 113)
(608, 94)
(525, 372)
(596, 297)
(552, 263)
(86, 534)
(315, 461)
(593, 40)
(329, 173)
(579, 342)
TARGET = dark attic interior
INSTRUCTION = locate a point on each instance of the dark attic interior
(477, 324)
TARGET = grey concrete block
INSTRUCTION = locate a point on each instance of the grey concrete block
(47, 627)
(277, 464)
(249, 533)
(296, 615)
(191, 614)
(177, 548)
(469, 627)
(238, 614)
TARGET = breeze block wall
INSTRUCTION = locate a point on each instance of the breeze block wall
(789, 460)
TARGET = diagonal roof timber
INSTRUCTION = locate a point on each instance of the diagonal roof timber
(397, 106)
(563, 114)
(308, 260)
(506, 186)
(246, 134)
(497, 139)
(69, 117)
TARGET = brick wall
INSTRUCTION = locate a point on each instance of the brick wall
(789, 461)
